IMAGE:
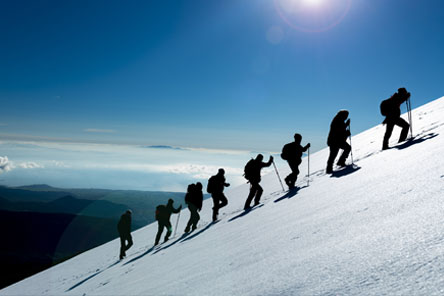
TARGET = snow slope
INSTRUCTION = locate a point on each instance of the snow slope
(374, 230)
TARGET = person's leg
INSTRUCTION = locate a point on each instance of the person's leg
(169, 230)
(197, 220)
(294, 174)
(288, 179)
(190, 221)
(195, 217)
(223, 201)
(259, 191)
(252, 193)
(346, 151)
(122, 247)
(129, 238)
(159, 232)
(331, 158)
(405, 129)
(215, 206)
(387, 135)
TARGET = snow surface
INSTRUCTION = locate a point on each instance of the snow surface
(374, 230)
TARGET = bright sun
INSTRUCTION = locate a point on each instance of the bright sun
(312, 2)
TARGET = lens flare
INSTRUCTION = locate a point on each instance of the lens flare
(312, 15)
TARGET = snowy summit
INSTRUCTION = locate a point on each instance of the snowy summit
(372, 229)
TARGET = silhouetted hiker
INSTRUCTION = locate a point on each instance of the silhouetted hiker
(124, 228)
(391, 109)
(163, 214)
(253, 175)
(193, 199)
(215, 187)
(292, 153)
(337, 139)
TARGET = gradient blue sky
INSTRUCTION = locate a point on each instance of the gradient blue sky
(239, 75)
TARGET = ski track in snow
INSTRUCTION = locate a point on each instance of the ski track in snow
(375, 228)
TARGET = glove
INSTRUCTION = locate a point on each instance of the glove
(308, 145)
(271, 158)
(228, 184)
(347, 122)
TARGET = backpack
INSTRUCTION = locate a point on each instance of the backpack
(190, 191)
(160, 211)
(210, 186)
(249, 169)
(385, 107)
(285, 153)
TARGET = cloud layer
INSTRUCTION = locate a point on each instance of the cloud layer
(5, 164)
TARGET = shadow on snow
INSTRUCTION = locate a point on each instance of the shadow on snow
(290, 193)
(90, 277)
(245, 212)
(350, 169)
(140, 256)
(415, 140)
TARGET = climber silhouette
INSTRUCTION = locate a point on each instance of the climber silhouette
(253, 175)
(216, 186)
(337, 139)
(292, 153)
(391, 109)
(194, 198)
(163, 214)
(124, 229)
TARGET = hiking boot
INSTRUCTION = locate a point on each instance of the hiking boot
(341, 164)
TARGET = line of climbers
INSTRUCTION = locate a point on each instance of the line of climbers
(291, 152)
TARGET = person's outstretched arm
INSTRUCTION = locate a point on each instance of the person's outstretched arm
(270, 161)
(177, 210)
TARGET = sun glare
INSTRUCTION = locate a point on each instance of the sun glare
(312, 15)
(313, 2)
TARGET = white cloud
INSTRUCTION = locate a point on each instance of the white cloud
(5, 164)
(30, 165)
(198, 171)
(59, 164)
(98, 130)
(195, 170)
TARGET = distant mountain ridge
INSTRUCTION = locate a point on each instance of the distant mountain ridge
(90, 202)
(67, 205)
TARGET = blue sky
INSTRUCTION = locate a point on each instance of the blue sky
(226, 75)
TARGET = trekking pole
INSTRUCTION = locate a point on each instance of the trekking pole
(279, 177)
(308, 173)
(177, 223)
(409, 111)
(351, 147)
